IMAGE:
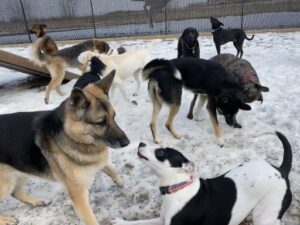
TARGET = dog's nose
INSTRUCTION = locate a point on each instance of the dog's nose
(142, 144)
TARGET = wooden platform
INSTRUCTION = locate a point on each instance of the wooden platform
(24, 65)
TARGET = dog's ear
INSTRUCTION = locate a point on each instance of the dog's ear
(190, 169)
(221, 24)
(78, 100)
(106, 82)
(244, 106)
(261, 88)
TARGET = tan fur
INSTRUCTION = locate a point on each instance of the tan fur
(74, 157)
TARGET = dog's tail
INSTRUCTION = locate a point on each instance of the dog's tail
(37, 56)
(286, 164)
(249, 39)
(158, 64)
(152, 44)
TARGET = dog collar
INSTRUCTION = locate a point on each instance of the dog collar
(174, 188)
(215, 30)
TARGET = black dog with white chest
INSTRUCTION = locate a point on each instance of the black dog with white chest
(255, 187)
(222, 36)
(188, 45)
(168, 77)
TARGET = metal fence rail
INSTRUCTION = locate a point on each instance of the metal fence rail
(74, 19)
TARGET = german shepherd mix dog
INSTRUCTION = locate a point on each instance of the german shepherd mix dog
(188, 45)
(93, 75)
(222, 36)
(57, 62)
(245, 74)
(68, 144)
(48, 46)
(255, 187)
(167, 77)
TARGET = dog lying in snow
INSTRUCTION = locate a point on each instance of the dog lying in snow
(126, 65)
(255, 186)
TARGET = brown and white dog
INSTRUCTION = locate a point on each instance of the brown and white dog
(49, 46)
(57, 62)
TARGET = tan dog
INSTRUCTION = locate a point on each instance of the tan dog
(49, 46)
(68, 144)
(57, 62)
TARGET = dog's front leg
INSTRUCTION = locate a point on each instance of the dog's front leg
(156, 221)
(110, 171)
(190, 114)
(212, 110)
(80, 200)
(218, 47)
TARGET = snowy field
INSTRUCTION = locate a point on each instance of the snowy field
(276, 58)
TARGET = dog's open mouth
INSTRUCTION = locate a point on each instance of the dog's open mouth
(141, 156)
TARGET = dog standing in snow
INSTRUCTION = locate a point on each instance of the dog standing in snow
(126, 65)
(255, 186)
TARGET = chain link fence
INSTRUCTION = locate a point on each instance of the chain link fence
(74, 19)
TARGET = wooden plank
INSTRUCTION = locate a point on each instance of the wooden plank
(24, 65)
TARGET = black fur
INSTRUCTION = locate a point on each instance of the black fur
(212, 205)
(93, 76)
(222, 36)
(175, 158)
(188, 45)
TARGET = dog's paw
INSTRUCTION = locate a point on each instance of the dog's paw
(156, 141)
(134, 102)
(8, 220)
(46, 101)
(236, 125)
(220, 142)
(40, 202)
(118, 221)
(190, 116)
(119, 182)
(135, 94)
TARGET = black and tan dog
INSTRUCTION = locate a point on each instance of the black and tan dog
(222, 36)
(57, 62)
(245, 74)
(188, 45)
(68, 144)
(49, 46)
(167, 77)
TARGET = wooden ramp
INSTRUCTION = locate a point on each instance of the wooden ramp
(24, 65)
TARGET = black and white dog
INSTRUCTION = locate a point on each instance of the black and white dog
(255, 186)
(222, 36)
(167, 77)
(188, 45)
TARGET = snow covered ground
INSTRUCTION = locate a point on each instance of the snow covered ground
(276, 58)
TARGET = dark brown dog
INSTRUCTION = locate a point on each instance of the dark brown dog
(49, 46)
(245, 74)
(222, 36)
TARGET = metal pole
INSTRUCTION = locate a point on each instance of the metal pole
(242, 19)
(93, 16)
(166, 25)
(25, 20)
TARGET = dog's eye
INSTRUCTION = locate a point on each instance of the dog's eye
(102, 122)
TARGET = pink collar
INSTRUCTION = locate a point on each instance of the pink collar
(174, 188)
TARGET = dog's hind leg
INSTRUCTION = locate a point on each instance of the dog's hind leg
(136, 77)
(200, 105)
(156, 109)
(190, 113)
(120, 85)
(218, 47)
(169, 124)
(19, 194)
(57, 76)
(110, 171)
(8, 181)
(211, 107)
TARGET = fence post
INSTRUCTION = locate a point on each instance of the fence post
(25, 20)
(93, 16)
(242, 19)
(166, 25)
